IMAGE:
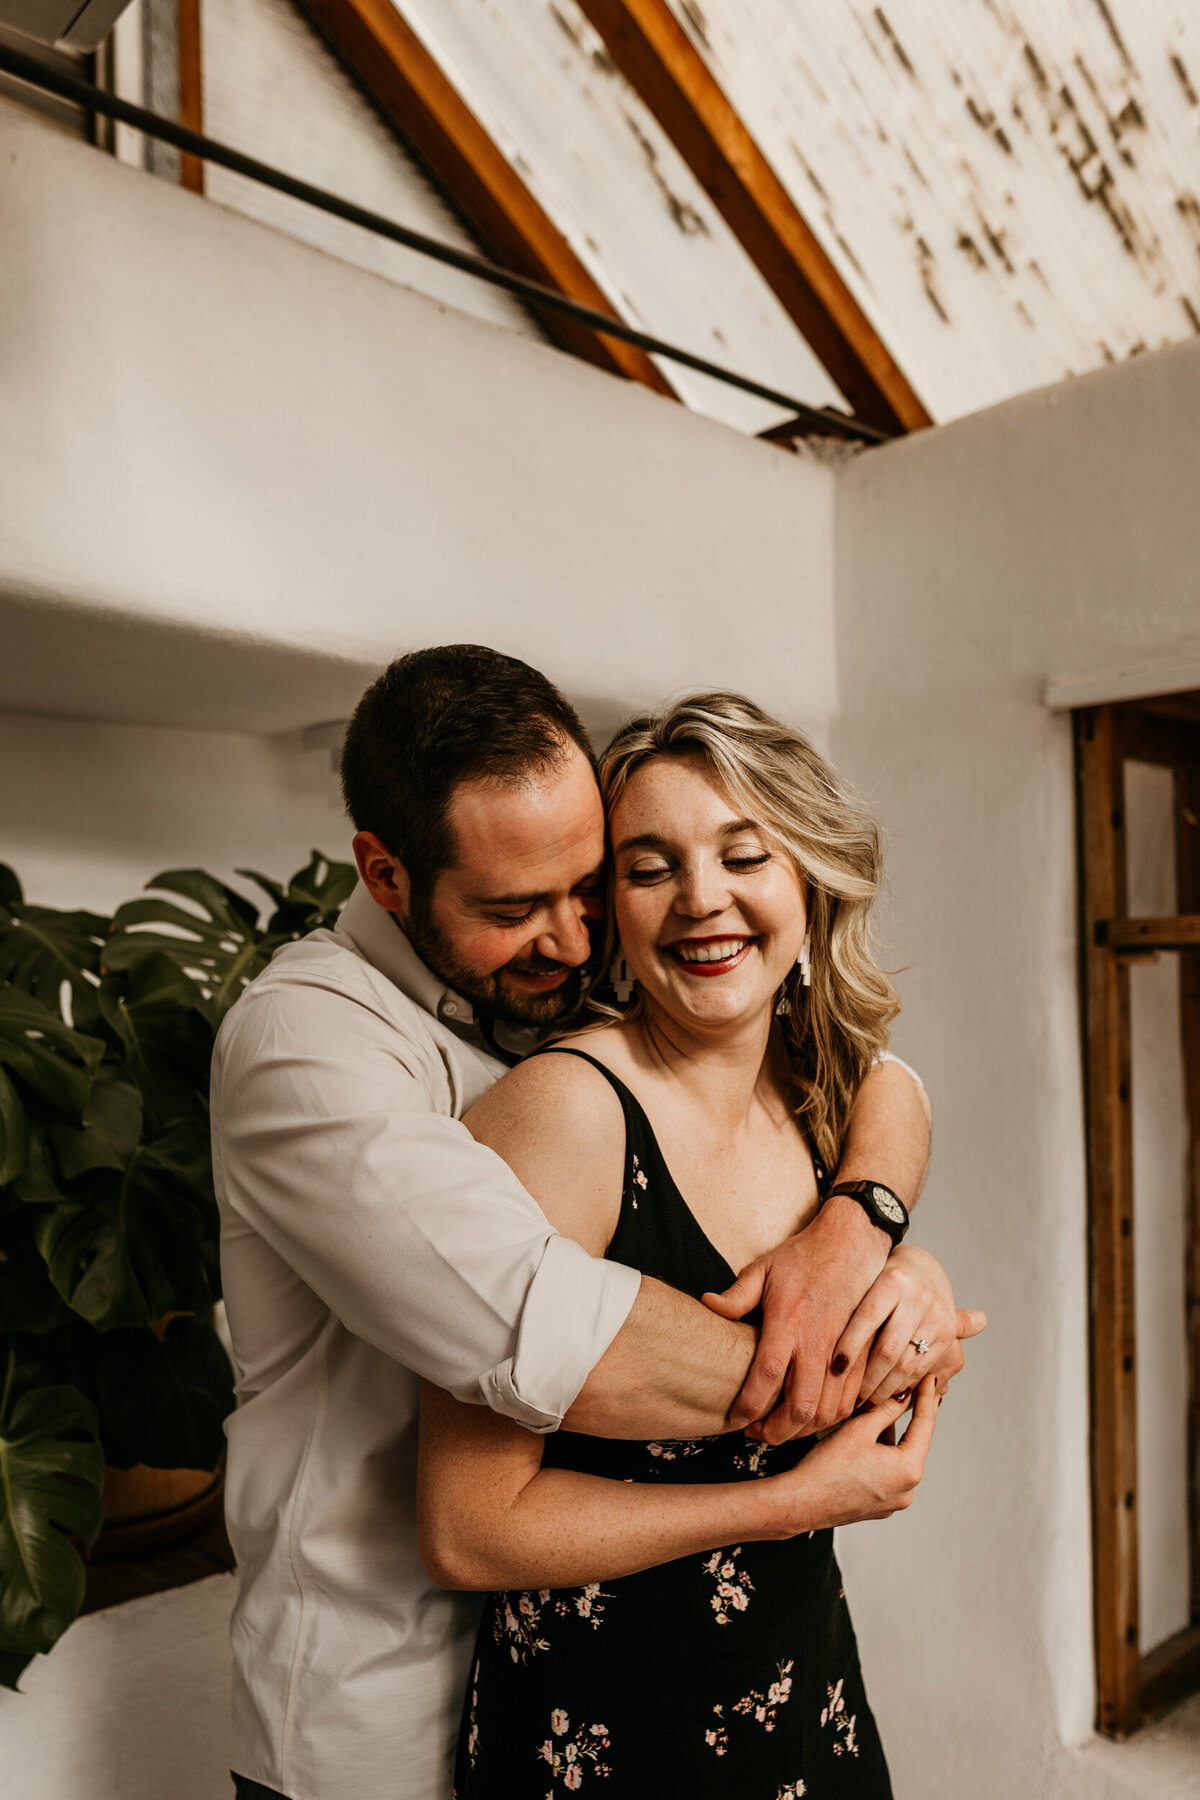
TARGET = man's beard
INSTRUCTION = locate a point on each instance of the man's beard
(491, 993)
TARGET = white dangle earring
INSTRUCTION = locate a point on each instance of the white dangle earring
(783, 1005)
(621, 979)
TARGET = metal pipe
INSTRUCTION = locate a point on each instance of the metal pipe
(825, 420)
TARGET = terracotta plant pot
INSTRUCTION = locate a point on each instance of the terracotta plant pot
(146, 1508)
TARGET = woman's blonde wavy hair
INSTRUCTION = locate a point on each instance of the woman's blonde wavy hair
(835, 1028)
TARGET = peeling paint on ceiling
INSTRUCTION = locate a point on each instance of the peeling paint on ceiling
(539, 78)
(1010, 189)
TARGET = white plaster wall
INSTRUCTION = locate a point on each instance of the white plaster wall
(90, 811)
(132, 1705)
(243, 436)
(1054, 535)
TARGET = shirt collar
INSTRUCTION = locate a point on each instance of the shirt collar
(378, 937)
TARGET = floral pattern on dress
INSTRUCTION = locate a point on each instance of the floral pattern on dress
(717, 1736)
(568, 1760)
(517, 1621)
(472, 1718)
(734, 1585)
(671, 1449)
(639, 1176)
(795, 1790)
(753, 1459)
(762, 1708)
(517, 1618)
(585, 1603)
(843, 1722)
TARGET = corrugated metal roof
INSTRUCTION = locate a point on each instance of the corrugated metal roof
(539, 78)
(1011, 189)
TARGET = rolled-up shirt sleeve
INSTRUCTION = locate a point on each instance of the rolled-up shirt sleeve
(328, 1144)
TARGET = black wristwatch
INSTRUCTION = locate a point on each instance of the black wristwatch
(882, 1207)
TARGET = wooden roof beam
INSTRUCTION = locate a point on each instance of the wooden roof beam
(660, 62)
(384, 53)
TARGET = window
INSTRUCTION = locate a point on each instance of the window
(1139, 828)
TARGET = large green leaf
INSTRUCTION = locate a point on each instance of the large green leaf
(13, 1132)
(38, 1182)
(165, 1403)
(111, 1129)
(216, 940)
(122, 1249)
(216, 937)
(314, 896)
(10, 888)
(51, 1473)
(58, 1063)
(57, 1151)
(159, 1016)
(41, 948)
(28, 1299)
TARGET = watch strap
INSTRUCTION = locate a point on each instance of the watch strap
(884, 1208)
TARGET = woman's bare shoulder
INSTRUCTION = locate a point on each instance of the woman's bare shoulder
(567, 1091)
(558, 1125)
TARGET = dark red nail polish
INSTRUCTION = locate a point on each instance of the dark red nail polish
(840, 1364)
(903, 1394)
(865, 1406)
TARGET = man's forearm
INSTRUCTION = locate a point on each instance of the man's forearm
(888, 1135)
(672, 1371)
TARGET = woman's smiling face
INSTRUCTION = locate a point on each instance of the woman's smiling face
(709, 906)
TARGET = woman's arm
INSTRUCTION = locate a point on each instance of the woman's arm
(492, 1517)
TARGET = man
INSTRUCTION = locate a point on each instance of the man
(368, 1240)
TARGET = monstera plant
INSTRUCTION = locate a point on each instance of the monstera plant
(108, 1225)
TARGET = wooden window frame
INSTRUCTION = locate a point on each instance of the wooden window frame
(191, 89)
(112, 73)
(1165, 731)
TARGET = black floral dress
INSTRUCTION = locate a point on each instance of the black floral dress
(730, 1674)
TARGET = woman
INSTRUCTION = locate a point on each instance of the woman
(671, 1615)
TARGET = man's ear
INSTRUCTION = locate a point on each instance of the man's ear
(383, 873)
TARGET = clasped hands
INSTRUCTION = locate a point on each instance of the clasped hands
(841, 1319)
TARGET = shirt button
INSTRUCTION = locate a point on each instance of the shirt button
(450, 1008)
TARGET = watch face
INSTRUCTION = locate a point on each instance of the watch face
(888, 1205)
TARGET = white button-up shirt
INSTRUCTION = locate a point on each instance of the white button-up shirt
(367, 1239)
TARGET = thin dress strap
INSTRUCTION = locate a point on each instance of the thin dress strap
(630, 1105)
(657, 1230)
(635, 1113)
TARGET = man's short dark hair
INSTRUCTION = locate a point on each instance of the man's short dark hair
(436, 718)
